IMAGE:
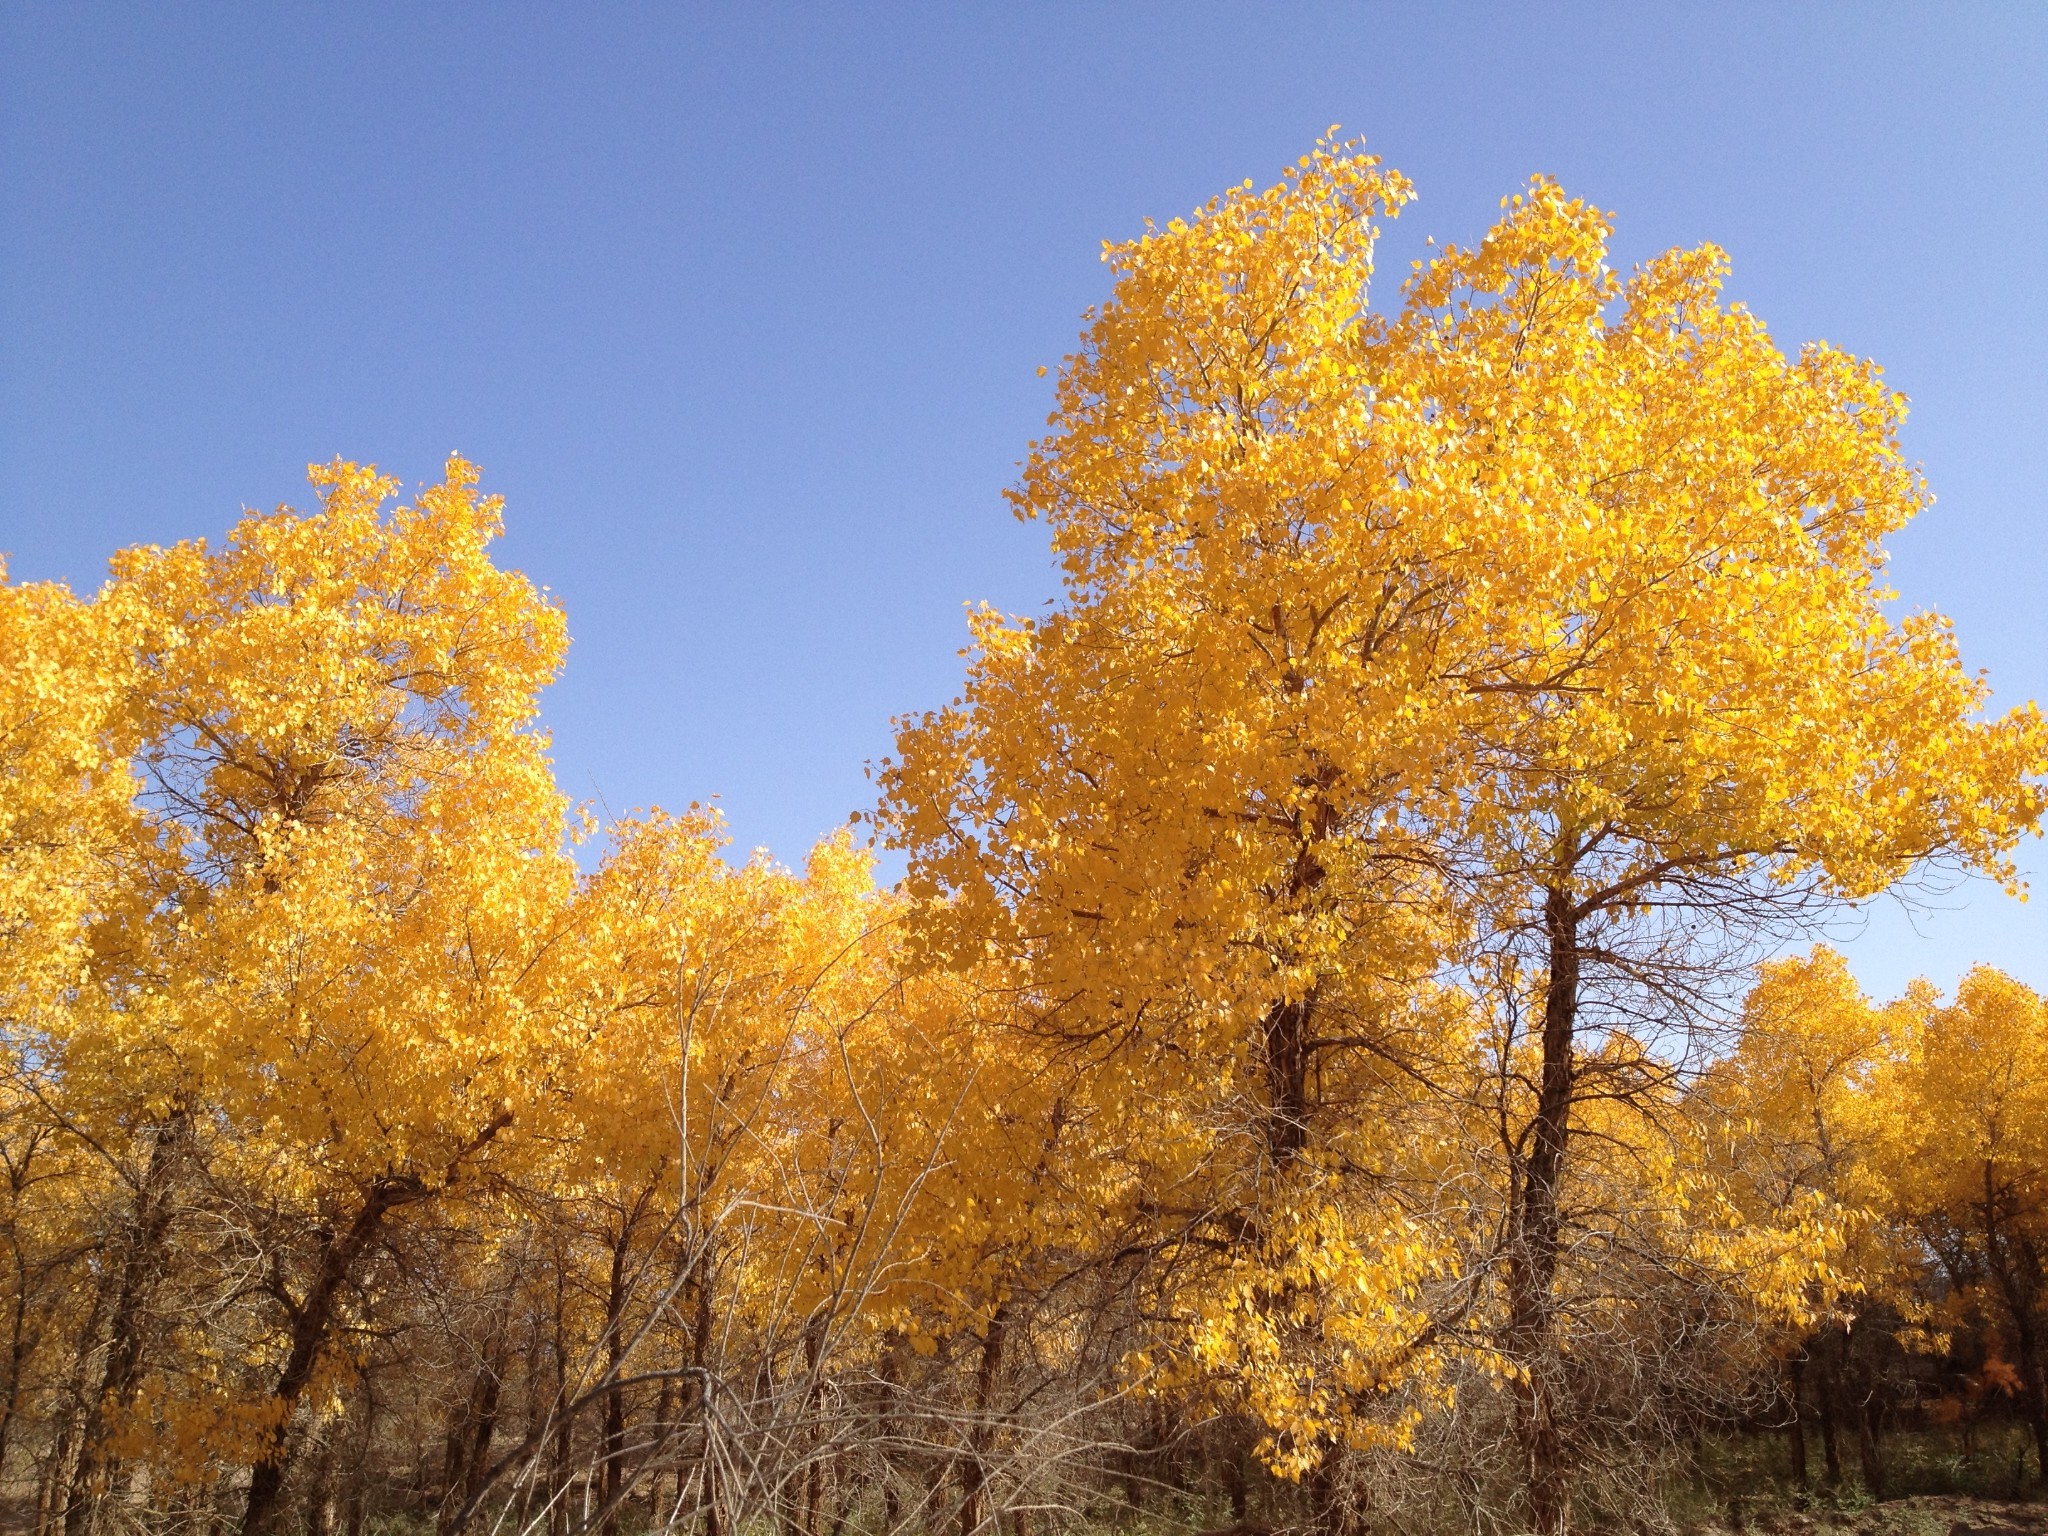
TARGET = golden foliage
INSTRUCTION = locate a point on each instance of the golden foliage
(1310, 1004)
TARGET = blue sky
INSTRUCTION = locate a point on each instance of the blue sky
(742, 307)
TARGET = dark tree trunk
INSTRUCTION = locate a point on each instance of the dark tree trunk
(142, 1266)
(1330, 1508)
(2015, 1265)
(1795, 1421)
(981, 1429)
(664, 1430)
(355, 1501)
(474, 1424)
(312, 1321)
(536, 1403)
(1824, 1398)
(612, 1473)
(1532, 1257)
(56, 1478)
(814, 1495)
(318, 1517)
(1869, 1447)
(18, 1338)
(558, 1465)
(892, 1370)
(702, 1282)
(1287, 1063)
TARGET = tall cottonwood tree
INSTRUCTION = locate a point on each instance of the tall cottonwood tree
(1967, 1160)
(1177, 809)
(75, 861)
(1797, 1116)
(1529, 636)
(361, 853)
(1694, 720)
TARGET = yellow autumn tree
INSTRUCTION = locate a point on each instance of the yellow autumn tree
(1967, 1160)
(1527, 638)
(1692, 721)
(1799, 1117)
(68, 828)
(1174, 808)
(753, 1101)
(362, 852)
(73, 860)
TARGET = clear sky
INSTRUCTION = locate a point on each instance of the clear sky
(742, 307)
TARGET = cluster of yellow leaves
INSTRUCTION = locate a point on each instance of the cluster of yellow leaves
(1968, 1129)
(66, 819)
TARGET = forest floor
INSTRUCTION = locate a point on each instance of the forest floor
(1942, 1514)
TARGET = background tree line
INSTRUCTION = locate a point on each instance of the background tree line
(1333, 1060)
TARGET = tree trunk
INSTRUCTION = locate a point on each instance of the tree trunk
(535, 1411)
(2009, 1263)
(474, 1424)
(885, 1430)
(142, 1266)
(1287, 1062)
(814, 1495)
(1532, 1256)
(17, 1338)
(1330, 1509)
(664, 1428)
(558, 1465)
(318, 1519)
(702, 1281)
(1868, 1445)
(355, 1496)
(1830, 1441)
(612, 1471)
(1795, 1422)
(981, 1430)
(312, 1320)
(56, 1478)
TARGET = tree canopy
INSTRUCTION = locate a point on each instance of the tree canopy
(1347, 1036)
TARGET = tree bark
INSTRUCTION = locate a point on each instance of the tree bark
(1869, 1447)
(474, 1423)
(142, 1267)
(558, 1464)
(981, 1430)
(1830, 1441)
(56, 1478)
(1532, 1257)
(891, 1374)
(1795, 1424)
(1331, 1512)
(18, 1339)
(318, 1519)
(1287, 1063)
(2016, 1267)
(312, 1320)
(612, 1471)
(701, 1281)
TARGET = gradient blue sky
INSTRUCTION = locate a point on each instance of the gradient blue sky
(742, 307)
